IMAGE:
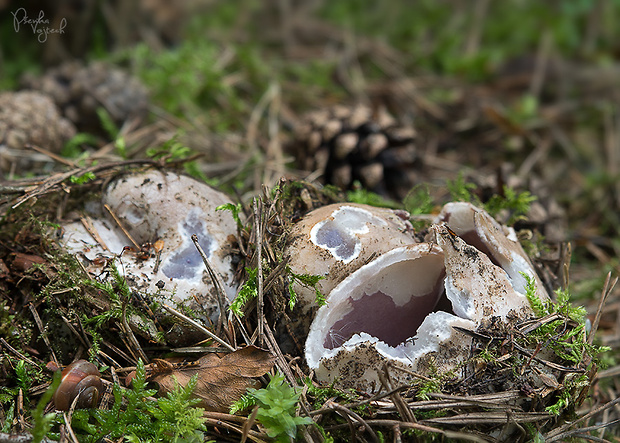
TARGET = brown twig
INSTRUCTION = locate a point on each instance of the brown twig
(258, 437)
(197, 326)
(607, 288)
(120, 225)
(347, 412)
(19, 355)
(51, 182)
(561, 432)
(419, 427)
(130, 335)
(401, 405)
(39, 323)
(258, 226)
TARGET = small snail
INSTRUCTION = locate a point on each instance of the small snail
(80, 379)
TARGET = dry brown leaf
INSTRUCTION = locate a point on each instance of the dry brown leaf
(221, 380)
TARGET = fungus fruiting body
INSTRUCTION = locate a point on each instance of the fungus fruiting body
(412, 305)
(335, 240)
(160, 211)
(499, 243)
(376, 313)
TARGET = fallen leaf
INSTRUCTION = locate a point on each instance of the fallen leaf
(221, 380)
(23, 262)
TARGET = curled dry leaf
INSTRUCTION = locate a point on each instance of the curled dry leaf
(221, 380)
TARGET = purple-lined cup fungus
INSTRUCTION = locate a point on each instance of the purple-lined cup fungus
(406, 306)
(335, 240)
(163, 208)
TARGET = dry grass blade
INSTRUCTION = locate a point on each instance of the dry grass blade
(567, 429)
(197, 326)
(216, 279)
(423, 428)
(42, 331)
(258, 223)
(490, 417)
(120, 225)
(87, 222)
(136, 348)
(258, 437)
(349, 413)
(248, 424)
(14, 351)
(400, 404)
(607, 288)
(492, 401)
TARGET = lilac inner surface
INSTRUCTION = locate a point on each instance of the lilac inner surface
(187, 262)
(329, 236)
(377, 315)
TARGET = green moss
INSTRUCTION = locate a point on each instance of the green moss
(309, 281)
(247, 292)
(134, 417)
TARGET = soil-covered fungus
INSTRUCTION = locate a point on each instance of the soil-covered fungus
(499, 243)
(403, 306)
(160, 211)
(335, 240)
(383, 304)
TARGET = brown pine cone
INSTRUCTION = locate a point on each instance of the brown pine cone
(79, 91)
(345, 145)
(29, 117)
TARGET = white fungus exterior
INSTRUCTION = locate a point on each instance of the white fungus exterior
(169, 208)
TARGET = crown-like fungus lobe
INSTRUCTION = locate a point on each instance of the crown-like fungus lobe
(477, 289)
(334, 241)
(403, 306)
(478, 229)
(167, 208)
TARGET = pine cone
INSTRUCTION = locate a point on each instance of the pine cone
(79, 91)
(346, 145)
(29, 117)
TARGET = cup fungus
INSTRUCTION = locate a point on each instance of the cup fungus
(335, 240)
(162, 209)
(403, 306)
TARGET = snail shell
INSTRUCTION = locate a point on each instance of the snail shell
(80, 379)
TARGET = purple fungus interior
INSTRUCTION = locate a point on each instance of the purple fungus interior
(378, 315)
(330, 237)
(472, 238)
(187, 263)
